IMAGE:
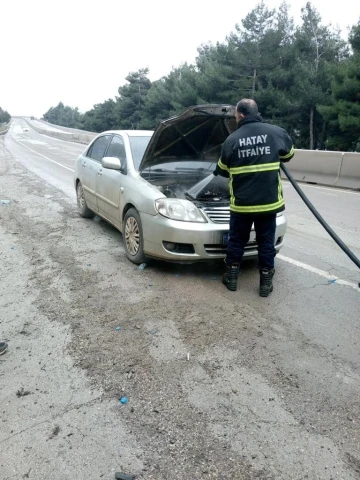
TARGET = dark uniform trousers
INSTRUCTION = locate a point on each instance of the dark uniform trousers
(240, 228)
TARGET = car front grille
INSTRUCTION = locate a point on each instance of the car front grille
(220, 249)
(217, 214)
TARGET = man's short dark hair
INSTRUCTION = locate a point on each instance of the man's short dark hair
(247, 106)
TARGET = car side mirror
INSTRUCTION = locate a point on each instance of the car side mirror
(113, 163)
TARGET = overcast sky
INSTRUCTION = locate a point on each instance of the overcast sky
(79, 52)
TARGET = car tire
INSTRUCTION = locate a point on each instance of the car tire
(83, 209)
(133, 237)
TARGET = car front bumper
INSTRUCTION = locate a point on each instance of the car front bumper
(195, 241)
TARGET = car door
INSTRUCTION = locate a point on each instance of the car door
(90, 164)
(109, 183)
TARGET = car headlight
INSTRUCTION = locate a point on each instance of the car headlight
(181, 210)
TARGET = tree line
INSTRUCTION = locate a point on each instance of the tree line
(4, 116)
(304, 78)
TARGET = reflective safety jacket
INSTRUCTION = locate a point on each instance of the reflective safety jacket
(251, 157)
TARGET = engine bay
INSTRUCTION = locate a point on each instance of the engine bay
(189, 179)
(214, 189)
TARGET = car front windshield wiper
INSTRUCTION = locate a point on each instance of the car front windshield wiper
(175, 170)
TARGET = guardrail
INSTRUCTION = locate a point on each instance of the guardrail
(61, 127)
(335, 169)
(350, 171)
(84, 138)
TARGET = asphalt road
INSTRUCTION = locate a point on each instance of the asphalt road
(307, 241)
(274, 383)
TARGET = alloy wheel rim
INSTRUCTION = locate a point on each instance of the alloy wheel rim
(132, 236)
(80, 197)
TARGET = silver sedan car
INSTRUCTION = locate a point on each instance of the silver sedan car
(158, 189)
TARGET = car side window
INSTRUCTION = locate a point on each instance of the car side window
(116, 148)
(97, 150)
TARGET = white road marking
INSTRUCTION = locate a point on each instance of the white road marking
(47, 158)
(321, 273)
(71, 147)
(35, 142)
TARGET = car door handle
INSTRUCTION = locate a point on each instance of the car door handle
(83, 164)
(100, 172)
(121, 189)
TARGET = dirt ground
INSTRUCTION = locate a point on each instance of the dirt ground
(208, 396)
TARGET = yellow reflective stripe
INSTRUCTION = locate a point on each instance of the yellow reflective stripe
(232, 198)
(222, 165)
(257, 208)
(279, 188)
(264, 167)
(288, 155)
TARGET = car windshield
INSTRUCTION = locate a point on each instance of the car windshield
(138, 146)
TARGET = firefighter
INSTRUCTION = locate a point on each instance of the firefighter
(251, 157)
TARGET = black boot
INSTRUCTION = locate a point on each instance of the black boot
(266, 285)
(230, 276)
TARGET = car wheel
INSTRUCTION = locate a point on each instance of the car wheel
(83, 209)
(133, 237)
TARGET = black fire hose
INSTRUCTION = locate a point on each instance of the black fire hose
(313, 210)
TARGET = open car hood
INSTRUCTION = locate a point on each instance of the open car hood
(196, 134)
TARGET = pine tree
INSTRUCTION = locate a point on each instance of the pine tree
(131, 99)
(316, 47)
(343, 115)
